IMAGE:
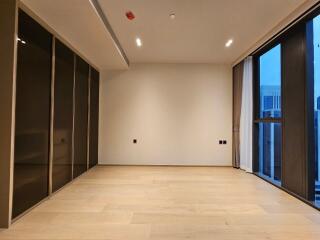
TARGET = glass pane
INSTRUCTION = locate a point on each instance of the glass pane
(270, 151)
(316, 34)
(270, 83)
(313, 36)
(63, 116)
(32, 115)
(81, 117)
(94, 117)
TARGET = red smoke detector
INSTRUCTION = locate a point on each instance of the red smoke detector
(130, 15)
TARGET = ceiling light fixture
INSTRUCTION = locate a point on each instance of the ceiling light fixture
(172, 16)
(229, 43)
(138, 42)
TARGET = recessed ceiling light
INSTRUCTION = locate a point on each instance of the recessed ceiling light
(229, 43)
(138, 42)
(172, 16)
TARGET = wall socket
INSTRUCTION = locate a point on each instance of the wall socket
(135, 141)
(222, 142)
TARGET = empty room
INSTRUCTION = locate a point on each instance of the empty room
(159, 119)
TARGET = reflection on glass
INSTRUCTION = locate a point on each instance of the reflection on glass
(94, 117)
(63, 116)
(270, 83)
(32, 115)
(270, 151)
(81, 117)
(313, 33)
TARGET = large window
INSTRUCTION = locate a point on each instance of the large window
(286, 132)
(270, 83)
(269, 115)
(313, 36)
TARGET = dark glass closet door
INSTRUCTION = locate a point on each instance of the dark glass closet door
(63, 116)
(32, 124)
(81, 117)
(94, 118)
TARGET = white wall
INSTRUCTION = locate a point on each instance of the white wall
(177, 112)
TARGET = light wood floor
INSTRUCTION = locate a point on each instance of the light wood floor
(168, 203)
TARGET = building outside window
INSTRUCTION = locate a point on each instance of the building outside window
(314, 31)
(270, 115)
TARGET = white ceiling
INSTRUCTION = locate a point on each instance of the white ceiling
(77, 22)
(197, 35)
(200, 30)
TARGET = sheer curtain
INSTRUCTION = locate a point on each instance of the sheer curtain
(237, 95)
(246, 117)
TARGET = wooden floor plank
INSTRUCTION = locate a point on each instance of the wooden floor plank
(114, 202)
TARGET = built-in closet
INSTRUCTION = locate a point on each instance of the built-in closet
(56, 118)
